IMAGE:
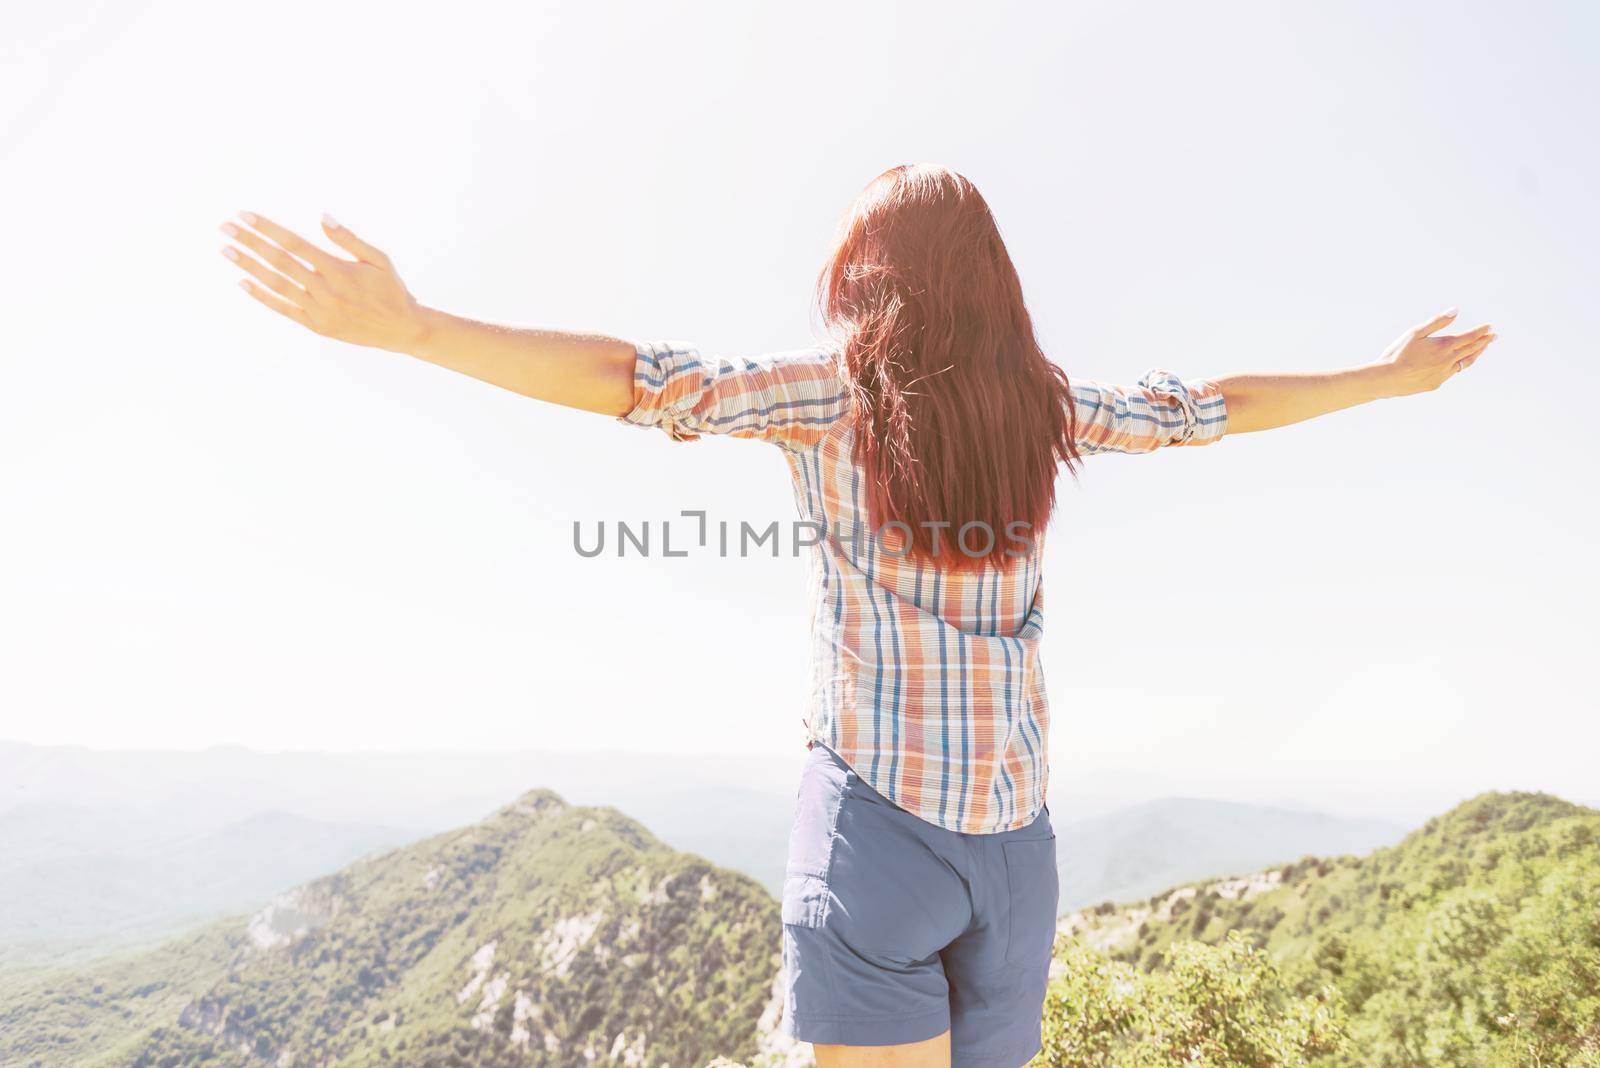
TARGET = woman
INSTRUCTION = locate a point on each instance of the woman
(923, 441)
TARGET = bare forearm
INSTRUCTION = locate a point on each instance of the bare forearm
(1420, 360)
(591, 372)
(1267, 401)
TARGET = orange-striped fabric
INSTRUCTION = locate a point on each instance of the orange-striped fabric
(926, 681)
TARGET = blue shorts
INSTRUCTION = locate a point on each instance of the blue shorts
(896, 929)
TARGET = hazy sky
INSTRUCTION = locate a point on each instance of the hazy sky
(217, 528)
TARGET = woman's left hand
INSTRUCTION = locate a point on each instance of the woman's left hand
(362, 301)
(1423, 359)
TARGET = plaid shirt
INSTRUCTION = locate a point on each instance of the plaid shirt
(926, 681)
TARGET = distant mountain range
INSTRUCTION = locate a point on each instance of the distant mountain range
(76, 881)
(1133, 852)
(428, 791)
(103, 850)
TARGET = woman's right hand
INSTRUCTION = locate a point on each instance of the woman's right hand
(1422, 359)
(361, 301)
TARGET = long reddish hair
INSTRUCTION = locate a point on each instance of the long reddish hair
(959, 417)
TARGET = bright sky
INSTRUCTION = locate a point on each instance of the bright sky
(217, 528)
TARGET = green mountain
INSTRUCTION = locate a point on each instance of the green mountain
(548, 934)
(1473, 941)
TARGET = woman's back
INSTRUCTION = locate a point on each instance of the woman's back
(924, 678)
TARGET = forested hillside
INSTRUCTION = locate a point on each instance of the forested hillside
(1474, 941)
(547, 934)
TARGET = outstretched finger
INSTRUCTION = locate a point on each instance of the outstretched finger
(352, 244)
(271, 254)
(268, 277)
(1438, 322)
(288, 239)
(277, 304)
(1461, 341)
(1467, 357)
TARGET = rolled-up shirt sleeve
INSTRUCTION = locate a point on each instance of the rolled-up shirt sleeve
(1161, 410)
(788, 398)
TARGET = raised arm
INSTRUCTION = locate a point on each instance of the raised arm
(1164, 410)
(1419, 360)
(364, 302)
(787, 398)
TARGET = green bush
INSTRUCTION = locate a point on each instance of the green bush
(1222, 1006)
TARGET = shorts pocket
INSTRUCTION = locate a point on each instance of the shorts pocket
(1033, 886)
(805, 900)
(823, 787)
